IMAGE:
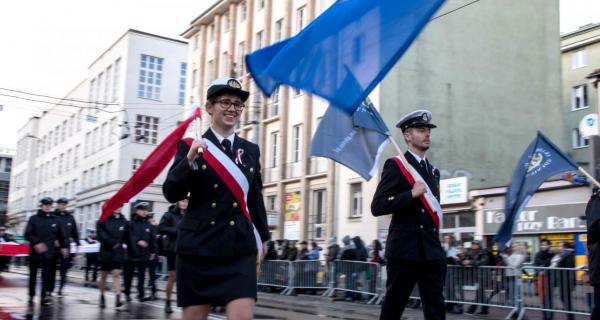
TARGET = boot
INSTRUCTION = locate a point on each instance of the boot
(168, 308)
(127, 297)
(102, 302)
(118, 302)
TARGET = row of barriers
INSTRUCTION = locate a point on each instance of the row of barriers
(546, 290)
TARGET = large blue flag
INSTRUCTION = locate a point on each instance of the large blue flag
(540, 161)
(354, 140)
(363, 37)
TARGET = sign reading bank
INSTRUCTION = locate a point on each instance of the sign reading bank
(542, 219)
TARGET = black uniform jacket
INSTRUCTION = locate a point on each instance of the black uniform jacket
(140, 229)
(69, 224)
(46, 228)
(168, 228)
(112, 234)
(412, 233)
(214, 224)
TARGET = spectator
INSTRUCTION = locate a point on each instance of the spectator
(513, 260)
(543, 258)
(91, 258)
(361, 250)
(292, 253)
(315, 251)
(479, 257)
(377, 252)
(453, 290)
(303, 254)
(333, 249)
(564, 279)
(271, 252)
(285, 247)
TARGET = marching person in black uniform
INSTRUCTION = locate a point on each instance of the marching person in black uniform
(413, 249)
(141, 248)
(168, 231)
(112, 234)
(43, 231)
(217, 244)
(70, 226)
(91, 258)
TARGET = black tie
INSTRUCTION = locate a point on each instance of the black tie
(227, 148)
(424, 166)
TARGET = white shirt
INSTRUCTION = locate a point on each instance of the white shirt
(419, 159)
(221, 138)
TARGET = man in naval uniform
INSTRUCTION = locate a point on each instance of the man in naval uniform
(413, 249)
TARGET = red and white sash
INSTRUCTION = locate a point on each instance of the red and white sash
(429, 201)
(234, 179)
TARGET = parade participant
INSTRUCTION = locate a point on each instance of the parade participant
(43, 231)
(70, 225)
(413, 252)
(226, 222)
(91, 258)
(168, 229)
(154, 261)
(112, 234)
(141, 248)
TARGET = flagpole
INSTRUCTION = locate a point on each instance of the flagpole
(589, 176)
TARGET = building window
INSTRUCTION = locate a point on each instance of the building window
(194, 78)
(579, 98)
(196, 42)
(240, 58)
(300, 17)
(182, 74)
(76, 156)
(56, 137)
(226, 22)
(296, 143)
(135, 164)
(261, 4)
(61, 160)
(108, 170)
(318, 218)
(579, 59)
(150, 80)
(103, 133)
(84, 180)
(278, 30)
(578, 140)
(243, 11)
(99, 87)
(92, 177)
(146, 129)
(211, 32)
(275, 105)
(107, 90)
(271, 203)
(92, 91)
(259, 39)
(274, 141)
(112, 136)
(115, 86)
(63, 131)
(356, 200)
(88, 143)
(225, 63)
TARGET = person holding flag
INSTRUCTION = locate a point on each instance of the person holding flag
(222, 235)
(413, 251)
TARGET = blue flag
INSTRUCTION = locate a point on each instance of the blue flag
(361, 37)
(353, 140)
(540, 161)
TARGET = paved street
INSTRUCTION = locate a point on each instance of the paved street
(82, 303)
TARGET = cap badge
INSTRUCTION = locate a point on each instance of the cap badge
(234, 84)
(425, 117)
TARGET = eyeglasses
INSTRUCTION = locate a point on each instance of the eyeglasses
(226, 104)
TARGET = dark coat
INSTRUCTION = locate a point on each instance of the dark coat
(167, 228)
(412, 233)
(592, 214)
(46, 228)
(69, 224)
(543, 258)
(214, 224)
(112, 234)
(140, 229)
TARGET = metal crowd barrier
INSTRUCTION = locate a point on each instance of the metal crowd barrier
(556, 290)
(355, 277)
(276, 273)
(309, 274)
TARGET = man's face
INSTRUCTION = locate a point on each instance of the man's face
(224, 112)
(46, 207)
(141, 212)
(61, 206)
(544, 246)
(419, 138)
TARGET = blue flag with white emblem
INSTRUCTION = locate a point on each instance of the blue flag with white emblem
(361, 37)
(354, 140)
(541, 160)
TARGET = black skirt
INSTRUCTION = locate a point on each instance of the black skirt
(214, 281)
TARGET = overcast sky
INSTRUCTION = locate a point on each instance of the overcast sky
(46, 46)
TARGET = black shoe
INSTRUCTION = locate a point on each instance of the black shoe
(118, 302)
(127, 298)
(60, 293)
(143, 299)
(483, 311)
(471, 310)
(102, 302)
(153, 297)
(46, 301)
(168, 308)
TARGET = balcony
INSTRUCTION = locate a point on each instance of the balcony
(293, 170)
(271, 174)
(318, 165)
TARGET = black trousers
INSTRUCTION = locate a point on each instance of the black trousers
(34, 266)
(130, 267)
(91, 264)
(402, 277)
(596, 311)
(63, 265)
(152, 267)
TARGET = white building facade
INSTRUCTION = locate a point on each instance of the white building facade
(88, 144)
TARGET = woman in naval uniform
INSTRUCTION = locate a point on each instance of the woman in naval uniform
(217, 244)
